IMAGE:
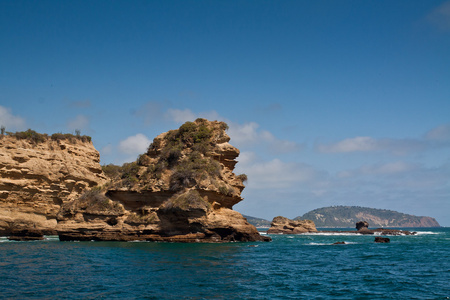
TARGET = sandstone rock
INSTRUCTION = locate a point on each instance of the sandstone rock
(37, 177)
(287, 226)
(182, 190)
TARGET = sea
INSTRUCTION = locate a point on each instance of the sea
(306, 266)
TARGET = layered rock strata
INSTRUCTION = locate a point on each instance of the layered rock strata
(181, 190)
(37, 177)
(282, 225)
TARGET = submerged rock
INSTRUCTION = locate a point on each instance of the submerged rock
(182, 190)
(287, 226)
(379, 239)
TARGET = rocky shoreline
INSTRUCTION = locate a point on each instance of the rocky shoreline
(282, 225)
(182, 189)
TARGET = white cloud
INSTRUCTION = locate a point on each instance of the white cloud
(80, 122)
(368, 144)
(136, 144)
(276, 174)
(437, 137)
(248, 134)
(391, 168)
(360, 143)
(10, 121)
(182, 116)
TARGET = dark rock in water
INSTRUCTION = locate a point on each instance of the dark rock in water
(339, 243)
(379, 239)
(26, 235)
(361, 225)
(362, 228)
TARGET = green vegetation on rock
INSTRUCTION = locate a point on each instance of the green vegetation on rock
(347, 216)
(257, 222)
(37, 138)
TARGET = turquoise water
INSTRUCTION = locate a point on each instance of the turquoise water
(290, 267)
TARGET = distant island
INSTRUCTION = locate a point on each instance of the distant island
(347, 216)
(257, 222)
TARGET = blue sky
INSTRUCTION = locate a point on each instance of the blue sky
(330, 102)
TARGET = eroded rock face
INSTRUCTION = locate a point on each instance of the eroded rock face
(183, 189)
(37, 178)
(362, 225)
(287, 226)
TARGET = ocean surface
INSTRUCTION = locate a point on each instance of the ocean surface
(290, 267)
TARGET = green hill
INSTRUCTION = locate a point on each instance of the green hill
(257, 222)
(347, 216)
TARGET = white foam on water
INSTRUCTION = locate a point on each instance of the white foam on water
(426, 232)
(330, 244)
(331, 233)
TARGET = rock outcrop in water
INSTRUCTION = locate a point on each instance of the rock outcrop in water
(183, 189)
(39, 173)
(287, 226)
(362, 227)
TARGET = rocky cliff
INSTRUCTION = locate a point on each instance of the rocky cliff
(182, 189)
(39, 173)
(347, 216)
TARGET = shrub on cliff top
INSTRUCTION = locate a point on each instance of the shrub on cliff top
(36, 137)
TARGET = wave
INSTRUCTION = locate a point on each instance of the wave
(427, 232)
(331, 233)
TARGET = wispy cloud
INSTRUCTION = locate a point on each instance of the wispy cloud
(391, 168)
(436, 137)
(242, 135)
(136, 144)
(439, 134)
(80, 104)
(369, 144)
(151, 111)
(276, 174)
(249, 134)
(180, 116)
(80, 122)
(10, 121)
(440, 16)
